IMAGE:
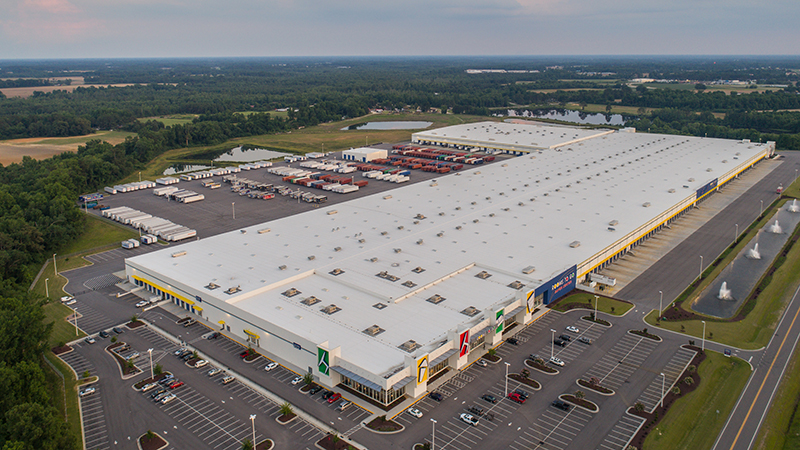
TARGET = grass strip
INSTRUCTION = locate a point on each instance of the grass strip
(693, 421)
(586, 300)
(781, 426)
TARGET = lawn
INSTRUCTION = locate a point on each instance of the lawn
(693, 421)
(755, 330)
(98, 233)
(69, 392)
(170, 120)
(781, 427)
(604, 303)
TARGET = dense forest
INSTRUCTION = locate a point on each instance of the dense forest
(38, 214)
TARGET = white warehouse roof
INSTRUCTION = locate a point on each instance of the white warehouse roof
(498, 218)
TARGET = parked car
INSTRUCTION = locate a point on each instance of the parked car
(160, 396)
(189, 323)
(573, 329)
(415, 412)
(560, 343)
(481, 362)
(489, 398)
(475, 410)
(314, 390)
(158, 392)
(565, 337)
(244, 354)
(132, 356)
(71, 301)
(166, 381)
(179, 351)
(297, 380)
(334, 397)
(184, 353)
(187, 356)
(270, 366)
(556, 361)
(512, 341)
(561, 405)
(327, 395)
(228, 379)
(469, 418)
(148, 386)
(142, 304)
(87, 391)
(200, 363)
(513, 396)
(103, 334)
(89, 340)
(67, 298)
(436, 396)
(118, 330)
(168, 399)
(176, 384)
(534, 356)
(344, 404)
(585, 340)
(521, 393)
(214, 371)
(213, 335)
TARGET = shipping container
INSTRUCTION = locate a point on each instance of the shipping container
(89, 197)
(110, 190)
(197, 198)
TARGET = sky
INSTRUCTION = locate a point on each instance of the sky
(36, 29)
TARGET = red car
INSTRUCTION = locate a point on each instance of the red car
(334, 397)
(176, 384)
(244, 354)
(516, 397)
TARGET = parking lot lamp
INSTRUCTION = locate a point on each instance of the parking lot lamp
(596, 299)
(552, 343)
(663, 380)
(233, 209)
(704, 336)
(75, 315)
(660, 303)
(433, 433)
(701, 267)
(46, 288)
(507, 364)
(54, 264)
(736, 238)
(253, 421)
(760, 212)
(150, 352)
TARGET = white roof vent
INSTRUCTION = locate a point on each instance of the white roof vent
(575, 244)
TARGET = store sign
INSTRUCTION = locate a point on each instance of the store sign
(463, 344)
(323, 364)
(530, 301)
(499, 319)
(422, 370)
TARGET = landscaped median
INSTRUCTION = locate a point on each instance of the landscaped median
(691, 419)
(585, 300)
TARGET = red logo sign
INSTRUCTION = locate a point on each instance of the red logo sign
(464, 346)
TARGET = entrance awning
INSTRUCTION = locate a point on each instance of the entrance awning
(402, 383)
(443, 357)
(251, 334)
(357, 378)
(477, 335)
(515, 311)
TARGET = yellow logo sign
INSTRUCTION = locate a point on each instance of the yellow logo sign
(422, 370)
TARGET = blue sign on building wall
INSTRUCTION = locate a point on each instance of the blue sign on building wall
(558, 286)
(707, 188)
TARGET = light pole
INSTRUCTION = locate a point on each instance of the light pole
(46, 288)
(736, 238)
(75, 315)
(663, 379)
(233, 209)
(660, 303)
(507, 364)
(552, 343)
(596, 299)
(150, 352)
(253, 421)
(704, 336)
(433, 433)
(701, 267)
(54, 264)
(760, 212)
(140, 177)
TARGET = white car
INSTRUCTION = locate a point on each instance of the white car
(148, 386)
(469, 418)
(179, 351)
(228, 379)
(168, 399)
(87, 391)
(71, 302)
(200, 363)
(142, 304)
(297, 380)
(556, 361)
(481, 363)
(270, 366)
(67, 298)
(573, 329)
(214, 371)
(415, 412)
(90, 340)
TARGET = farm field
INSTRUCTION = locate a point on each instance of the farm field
(12, 150)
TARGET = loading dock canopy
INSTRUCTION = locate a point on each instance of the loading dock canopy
(357, 378)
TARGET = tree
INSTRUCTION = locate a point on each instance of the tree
(286, 409)
(247, 445)
(608, 108)
(308, 378)
(700, 86)
(491, 352)
(638, 407)
(158, 370)
(676, 390)
(579, 395)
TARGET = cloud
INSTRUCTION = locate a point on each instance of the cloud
(57, 22)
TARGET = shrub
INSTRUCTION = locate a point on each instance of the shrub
(638, 407)
(134, 318)
(689, 381)
(308, 378)
(612, 309)
(158, 370)
(492, 352)
(247, 445)
(286, 409)
(85, 374)
(113, 339)
(150, 434)
(579, 395)
(676, 390)
(691, 368)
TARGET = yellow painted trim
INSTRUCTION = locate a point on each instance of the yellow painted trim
(173, 293)
(252, 334)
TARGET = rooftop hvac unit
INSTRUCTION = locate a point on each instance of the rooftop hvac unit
(575, 244)
(528, 270)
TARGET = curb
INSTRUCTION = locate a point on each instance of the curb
(596, 392)
(560, 397)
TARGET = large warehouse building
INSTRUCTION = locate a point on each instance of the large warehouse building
(384, 292)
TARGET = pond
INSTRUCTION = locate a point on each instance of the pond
(183, 168)
(568, 115)
(389, 125)
(239, 154)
